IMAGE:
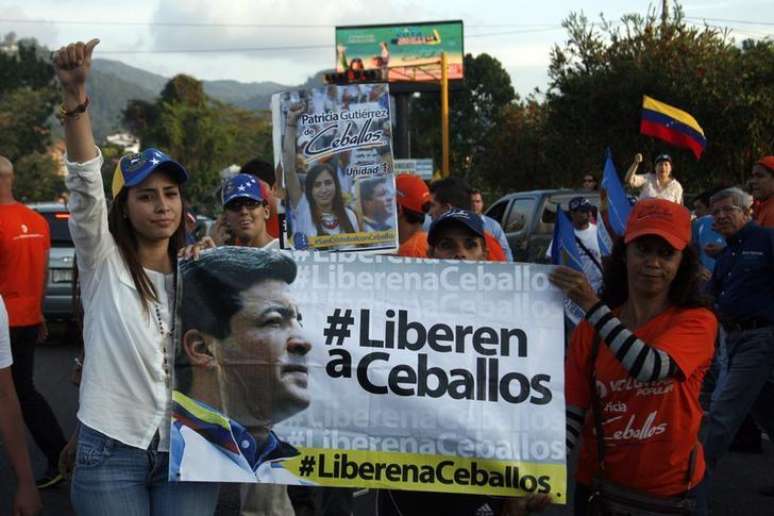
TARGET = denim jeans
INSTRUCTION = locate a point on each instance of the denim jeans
(746, 389)
(113, 478)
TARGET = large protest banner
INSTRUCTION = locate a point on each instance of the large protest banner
(407, 374)
(336, 156)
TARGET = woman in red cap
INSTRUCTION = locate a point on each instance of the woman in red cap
(645, 345)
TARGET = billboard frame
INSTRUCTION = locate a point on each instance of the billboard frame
(397, 87)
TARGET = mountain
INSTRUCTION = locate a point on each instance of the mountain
(112, 84)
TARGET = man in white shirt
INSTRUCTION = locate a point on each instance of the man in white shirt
(587, 240)
(26, 500)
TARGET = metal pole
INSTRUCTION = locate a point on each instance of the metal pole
(401, 142)
(444, 117)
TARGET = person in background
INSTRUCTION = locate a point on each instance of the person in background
(247, 212)
(702, 233)
(658, 185)
(650, 325)
(590, 183)
(453, 192)
(762, 186)
(26, 500)
(412, 199)
(587, 239)
(267, 176)
(24, 245)
(476, 202)
(127, 269)
(742, 284)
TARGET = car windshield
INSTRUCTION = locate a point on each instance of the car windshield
(60, 232)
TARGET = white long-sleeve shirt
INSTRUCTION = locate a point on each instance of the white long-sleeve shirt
(651, 189)
(124, 388)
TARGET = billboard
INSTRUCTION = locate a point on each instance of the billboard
(403, 53)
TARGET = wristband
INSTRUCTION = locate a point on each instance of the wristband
(74, 113)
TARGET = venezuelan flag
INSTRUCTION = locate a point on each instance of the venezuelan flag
(672, 125)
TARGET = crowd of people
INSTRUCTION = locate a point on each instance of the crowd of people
(681, 307)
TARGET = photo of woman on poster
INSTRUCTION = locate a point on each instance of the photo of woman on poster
(332, 157)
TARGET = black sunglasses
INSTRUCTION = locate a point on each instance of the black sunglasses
(238, 204)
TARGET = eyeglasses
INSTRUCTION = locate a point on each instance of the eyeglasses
(238, 204)
(724, 210)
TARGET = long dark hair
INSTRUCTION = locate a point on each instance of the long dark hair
(684, 292)
(125, 237)
(338, 203)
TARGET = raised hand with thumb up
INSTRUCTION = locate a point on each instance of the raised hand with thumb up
(72, 64)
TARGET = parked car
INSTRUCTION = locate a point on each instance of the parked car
(528, 219)
(57, 304)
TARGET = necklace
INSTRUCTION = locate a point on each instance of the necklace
(329, 220)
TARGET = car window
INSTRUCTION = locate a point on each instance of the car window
(497, 211)
(548, 215)
(60, 231)
(519, 215)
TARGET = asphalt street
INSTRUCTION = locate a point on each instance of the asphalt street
(735, 485)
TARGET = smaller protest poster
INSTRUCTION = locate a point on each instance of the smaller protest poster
(362, 370)
(334, 147)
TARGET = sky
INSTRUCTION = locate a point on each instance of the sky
(242, 39)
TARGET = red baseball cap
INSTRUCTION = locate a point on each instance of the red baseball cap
(666, 219)
(767, 162)
(413, 193)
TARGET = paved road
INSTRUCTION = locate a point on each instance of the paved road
(734, 486)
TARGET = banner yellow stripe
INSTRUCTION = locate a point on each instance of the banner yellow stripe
(417, 472)
(677, 114)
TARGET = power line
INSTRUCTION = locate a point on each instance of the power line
(724, 20)
(228, 25)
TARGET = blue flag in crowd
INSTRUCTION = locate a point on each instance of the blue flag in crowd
(564, 250)
(603, 238)
(618, 206)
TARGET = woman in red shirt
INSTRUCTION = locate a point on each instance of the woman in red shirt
(656, 343)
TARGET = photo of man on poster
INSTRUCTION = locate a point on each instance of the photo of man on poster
(240, 367)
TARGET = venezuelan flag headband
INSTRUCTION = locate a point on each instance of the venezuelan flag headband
(133, 169)
(672, 125)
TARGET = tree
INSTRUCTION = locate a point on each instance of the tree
(36, 178)
(476, 111)
(201, 133)
(599, 76)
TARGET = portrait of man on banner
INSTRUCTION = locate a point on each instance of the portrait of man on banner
(240, 367)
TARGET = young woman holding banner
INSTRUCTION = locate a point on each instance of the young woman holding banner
(126, 262)
(645, 347)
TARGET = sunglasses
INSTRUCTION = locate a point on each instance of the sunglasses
(238, 204)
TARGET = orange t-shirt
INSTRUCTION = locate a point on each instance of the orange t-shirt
(650, 428)
(494, 251)
(24, 244)
(764, 213)
(415, 246)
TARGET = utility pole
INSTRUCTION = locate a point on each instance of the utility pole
(664, 15)
(444, 116)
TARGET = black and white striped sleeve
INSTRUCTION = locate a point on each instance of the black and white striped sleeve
(644, 362)
(575, 417)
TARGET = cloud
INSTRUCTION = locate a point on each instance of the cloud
(45, 33)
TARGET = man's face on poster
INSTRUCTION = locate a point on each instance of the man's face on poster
(263, 372)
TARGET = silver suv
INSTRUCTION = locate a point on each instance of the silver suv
(59, 290)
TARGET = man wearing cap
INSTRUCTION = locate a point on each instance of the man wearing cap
(453, 192)
(246, 212)
(660, 185)
(587, 239)
(24, 244)
(762, 185)
(413, 198)
(742, 284)
(457, 235)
